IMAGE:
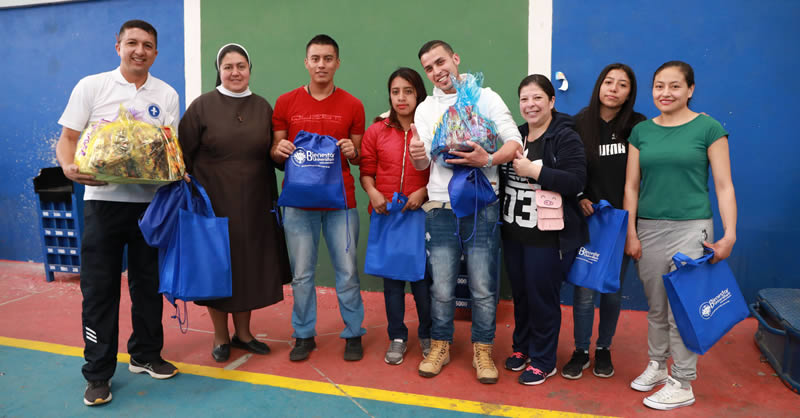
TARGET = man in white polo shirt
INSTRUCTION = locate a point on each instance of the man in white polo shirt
(111, 213)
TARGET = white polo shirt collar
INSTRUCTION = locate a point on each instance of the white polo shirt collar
(116, 74)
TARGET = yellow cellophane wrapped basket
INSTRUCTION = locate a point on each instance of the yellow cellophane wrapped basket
(127, 150)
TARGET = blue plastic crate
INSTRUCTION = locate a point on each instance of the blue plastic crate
(60, 213)
(778, 334)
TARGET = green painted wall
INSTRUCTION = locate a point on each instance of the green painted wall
(374, 39)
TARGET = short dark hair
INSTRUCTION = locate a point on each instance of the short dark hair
(139, 24)
(412, 77)
(540, 81)
(323, 39)
(543, 82)
(433, 44)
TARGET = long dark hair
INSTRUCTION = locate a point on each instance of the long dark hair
(412, 77)
(590, 125)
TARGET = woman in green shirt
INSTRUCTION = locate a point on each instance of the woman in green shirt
(667, 197)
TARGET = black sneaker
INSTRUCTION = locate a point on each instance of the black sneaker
(574, 369)
(533, 376)
(517, 361)
(353, 351)
(302, 349)
(158, 369)
(97, 392)
(602, 363)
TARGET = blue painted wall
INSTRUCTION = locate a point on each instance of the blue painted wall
(745, 58)
(46, 50)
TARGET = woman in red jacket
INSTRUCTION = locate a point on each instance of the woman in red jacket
(386, 168)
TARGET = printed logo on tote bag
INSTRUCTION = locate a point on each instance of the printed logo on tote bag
(599, 261)
(305, 158)
(707, 309)
(590, 257)
(313, 176)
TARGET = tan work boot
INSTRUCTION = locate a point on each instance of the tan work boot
(436, 359)
(483, 363)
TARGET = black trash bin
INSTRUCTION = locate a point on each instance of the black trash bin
(60, 207)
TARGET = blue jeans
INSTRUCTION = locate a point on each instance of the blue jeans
(395, 297)
(583, 313)
(302, 240)
(445, 248)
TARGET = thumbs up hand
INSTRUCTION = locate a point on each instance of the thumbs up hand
(416, 149)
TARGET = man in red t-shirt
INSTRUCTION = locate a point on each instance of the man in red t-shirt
(322, 108)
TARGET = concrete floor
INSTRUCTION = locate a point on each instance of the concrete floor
(41, 350)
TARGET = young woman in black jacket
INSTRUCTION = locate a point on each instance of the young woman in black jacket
(604, 127)
(537, 261)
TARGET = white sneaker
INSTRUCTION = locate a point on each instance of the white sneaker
(651, 378)
(671, 396)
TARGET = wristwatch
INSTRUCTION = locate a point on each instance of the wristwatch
(489, 162)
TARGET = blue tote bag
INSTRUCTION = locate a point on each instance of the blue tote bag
(313, 176)
(470, 191)
(705, 300)
(599, 262)
(396, 245)
(159, 220)
(196, 265)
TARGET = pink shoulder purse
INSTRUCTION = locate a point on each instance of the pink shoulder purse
(549, 211)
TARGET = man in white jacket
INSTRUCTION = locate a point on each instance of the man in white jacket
(444, 249)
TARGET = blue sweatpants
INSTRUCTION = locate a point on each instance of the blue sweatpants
(536, 275)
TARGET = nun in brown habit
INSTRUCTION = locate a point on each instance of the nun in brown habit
(226, 136)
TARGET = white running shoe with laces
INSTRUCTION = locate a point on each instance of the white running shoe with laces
(650, 378)
(671, 396)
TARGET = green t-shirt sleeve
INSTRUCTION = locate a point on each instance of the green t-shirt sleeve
(714, 131)
(634, 138)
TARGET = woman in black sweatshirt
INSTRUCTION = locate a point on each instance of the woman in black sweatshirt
(604, 127)
(537, 260)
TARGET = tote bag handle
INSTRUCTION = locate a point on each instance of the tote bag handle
(681, 259)
(398, 201)
(206, 209)
(601, 205)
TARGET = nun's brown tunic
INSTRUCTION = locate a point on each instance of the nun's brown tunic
(226, 142)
